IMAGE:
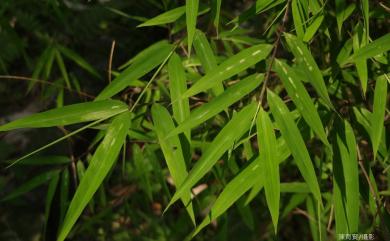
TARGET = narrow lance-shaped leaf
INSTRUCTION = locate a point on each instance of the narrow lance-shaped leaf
(298, 18)
(295, 142)
(249, 177)
(312, 29)
(268, 147)
(378, 114)
(173, 153)
(31, 184)
(230, 67)
(139, 68)
(177, 86)
(346, 181)
(206, 57)
(67, 115)
(376, 47)
(351, 175)
(306, 60)
(216, 11)
(164, 18)
(360, 40)
(218, 104)
(222, 142)
(78, 60)
(301, 98)
(192, 7)
(62, 68)
(99, 166)
(231, 193)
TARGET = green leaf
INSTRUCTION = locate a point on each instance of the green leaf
(216, 11)
(222, 142)
(346, 182)
(378, 114)
(306, 60)
(191, 17)
(232, 66)
(99, 166)
(219, 103)
(51, 190)
(141, 66)
(30, 184)
(177, 87)
(301, 98)
(298, 18)
(173, 153)
(206, 57)
(351, 175)
(164, 18)
(312, 29)
(64, 194)
(67, 115)
(62, 68)
(295, 142)
(342, 13)
(268, 147)
(80, 61)
(378, 46)
(231, 193)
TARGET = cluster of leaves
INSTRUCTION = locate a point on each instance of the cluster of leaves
(297, 105)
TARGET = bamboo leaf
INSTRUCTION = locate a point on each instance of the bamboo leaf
(216, 11)
(298, 18)
(231, 193)
(191, 17)
(99, 166)
(67, 115)
(143, 65)
(31, 184)
(173, 153)
(376, 47)
(346, 182)
(232, 66)
(80, 61)
(177, 87)
(268, 147)
(206, 57)
(306, 60)
(294, 140)
(301, 98)
(222, 142)
(312, 29)
(164, 18)
(62, 68)
(219, 103)
(378, 114)
(351, 176)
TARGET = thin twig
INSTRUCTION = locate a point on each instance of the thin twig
(15, 77)
(110, 60)
(275, 50)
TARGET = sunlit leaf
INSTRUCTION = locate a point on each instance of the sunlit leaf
(378, 114)
(268, 147)
(218, 104)
(70, 114)
(306, 60)
(294, 140)
(301, 98)
(164, 18)
(222, 142)
(192, 7)
(99, 166)
(232, 66)
(173, 152)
